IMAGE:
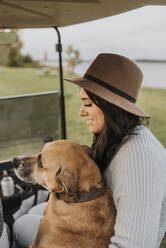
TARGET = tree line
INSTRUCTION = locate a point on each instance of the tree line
(11, 56)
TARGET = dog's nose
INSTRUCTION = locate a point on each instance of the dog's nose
(16, 162)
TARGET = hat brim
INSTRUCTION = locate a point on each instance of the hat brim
(108, 96)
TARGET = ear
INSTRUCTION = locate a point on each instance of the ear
(67, 181)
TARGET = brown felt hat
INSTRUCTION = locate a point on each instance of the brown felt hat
(114, 78)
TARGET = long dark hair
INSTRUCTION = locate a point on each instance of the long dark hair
(119, 126)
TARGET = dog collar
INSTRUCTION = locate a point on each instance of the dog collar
(82, 196)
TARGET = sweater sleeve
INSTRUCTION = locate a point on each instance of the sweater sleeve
(138, 193)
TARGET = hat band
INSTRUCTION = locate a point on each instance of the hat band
(110, 87)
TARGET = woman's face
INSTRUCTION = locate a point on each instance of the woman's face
(91, 112)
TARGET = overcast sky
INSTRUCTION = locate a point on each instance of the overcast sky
(138, 34)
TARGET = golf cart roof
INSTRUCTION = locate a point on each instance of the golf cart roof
(49, 13)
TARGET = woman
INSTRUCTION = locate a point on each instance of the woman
(131, 159)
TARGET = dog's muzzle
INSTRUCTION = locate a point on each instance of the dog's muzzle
(22, 163)
(23, 169)
(16, 162)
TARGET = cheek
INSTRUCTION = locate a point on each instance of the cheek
(38, 176)
(49, 181)
(99, 123)
(96, 126)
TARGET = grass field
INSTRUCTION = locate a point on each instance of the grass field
(21, 81)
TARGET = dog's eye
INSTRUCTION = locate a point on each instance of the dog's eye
(39, 161)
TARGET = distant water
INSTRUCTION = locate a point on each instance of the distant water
(154, 72)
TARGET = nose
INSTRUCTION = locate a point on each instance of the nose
(82, 112)
(16, 162)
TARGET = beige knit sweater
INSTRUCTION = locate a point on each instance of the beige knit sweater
(137, 177)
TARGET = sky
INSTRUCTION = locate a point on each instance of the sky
(138, 34)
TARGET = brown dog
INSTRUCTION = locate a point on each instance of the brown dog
(80, 211)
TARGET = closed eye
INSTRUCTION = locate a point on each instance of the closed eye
(39, 161)
(88, 105)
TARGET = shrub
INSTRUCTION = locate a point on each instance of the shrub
(27, 59)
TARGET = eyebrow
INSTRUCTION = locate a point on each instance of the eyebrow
(85, 98)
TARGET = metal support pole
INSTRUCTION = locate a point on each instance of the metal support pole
(62, 100)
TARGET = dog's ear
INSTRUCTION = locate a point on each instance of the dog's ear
(67, 181)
